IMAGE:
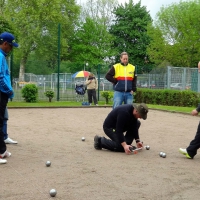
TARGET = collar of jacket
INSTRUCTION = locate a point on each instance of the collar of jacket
(124, 64)
(3, 52)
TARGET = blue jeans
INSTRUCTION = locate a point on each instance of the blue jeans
(120, 97)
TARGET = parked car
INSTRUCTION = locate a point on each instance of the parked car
(138, 84)
(188, 86)
(176, 86)
(153, 85)
(144, 85)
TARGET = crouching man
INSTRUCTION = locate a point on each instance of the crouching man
(122, 119)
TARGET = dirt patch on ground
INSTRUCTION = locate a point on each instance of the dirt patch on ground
(78, 171)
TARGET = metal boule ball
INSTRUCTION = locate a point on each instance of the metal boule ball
(48, 163)
(83, 139)
(147, 147)
(164, 155)
(161, 153)
(52, 192)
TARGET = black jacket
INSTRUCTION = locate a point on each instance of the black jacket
(121, 119)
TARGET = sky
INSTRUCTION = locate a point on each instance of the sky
(153, 6)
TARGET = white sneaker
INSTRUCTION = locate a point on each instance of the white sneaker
(5, 155)
(3, 161)
(10, 141)
(184, 152)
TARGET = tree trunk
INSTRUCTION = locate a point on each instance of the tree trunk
(22, 70)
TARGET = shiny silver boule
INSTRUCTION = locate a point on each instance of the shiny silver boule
(147, 147)
(83, 139)
(161, 153)
(52, 192)
(164, 155)
(48, 163)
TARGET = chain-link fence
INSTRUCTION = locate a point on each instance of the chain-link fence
(64, 90)
(178, 78)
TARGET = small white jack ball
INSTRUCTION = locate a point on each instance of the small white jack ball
(147, 147)
(48, 163)
(83, 139)
(52, 192)
(164, 155)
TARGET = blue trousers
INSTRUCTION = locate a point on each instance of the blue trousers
(120, 97)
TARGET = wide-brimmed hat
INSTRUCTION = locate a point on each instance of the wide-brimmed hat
(142, 110)
(8, 37)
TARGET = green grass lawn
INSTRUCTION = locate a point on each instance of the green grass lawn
(101, 103)
(51, 104)
(172, 108)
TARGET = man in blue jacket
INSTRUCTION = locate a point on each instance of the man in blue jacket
(7, 42)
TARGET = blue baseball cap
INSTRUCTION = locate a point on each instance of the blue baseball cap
(8, 37)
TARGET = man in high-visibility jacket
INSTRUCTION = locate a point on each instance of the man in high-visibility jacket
(124, 79)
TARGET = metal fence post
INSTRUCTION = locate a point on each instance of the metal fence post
(58, 82)
(99, 69)
(198, 83)
(168, 77)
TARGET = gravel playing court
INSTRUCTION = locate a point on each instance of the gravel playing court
(79, 172)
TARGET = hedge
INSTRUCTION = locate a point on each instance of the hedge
(185, 98)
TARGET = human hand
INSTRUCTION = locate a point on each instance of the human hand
(132, 92)
(127, 149)
(139, 145)
(11, 95)
(194, 112)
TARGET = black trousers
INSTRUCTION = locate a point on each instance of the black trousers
(3, 104)
(92, 94)
(113, 143)
(194, 144)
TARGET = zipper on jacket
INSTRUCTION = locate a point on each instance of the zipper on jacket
(125, 78)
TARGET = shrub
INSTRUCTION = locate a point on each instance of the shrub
(167, 97)
(49, 94)
(30, 93)
(107, 95)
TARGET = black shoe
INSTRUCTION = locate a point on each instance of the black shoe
(97, 145)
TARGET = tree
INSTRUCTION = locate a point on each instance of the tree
(5, 26)
(91, 41)
(130, 31)
(99, 10)
(175, 34)
(49, 94)
(37, 25)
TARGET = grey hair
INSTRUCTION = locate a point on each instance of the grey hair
(123, 53)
